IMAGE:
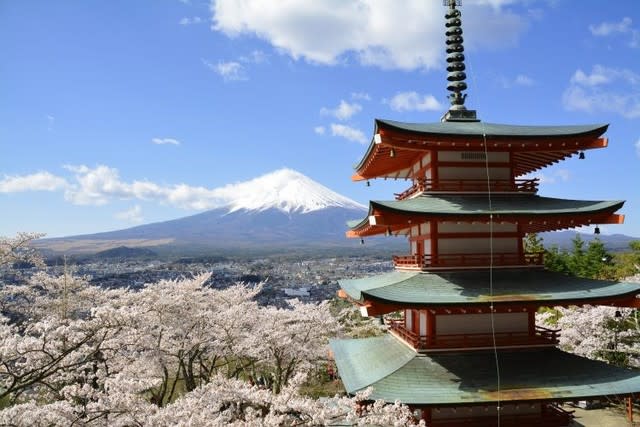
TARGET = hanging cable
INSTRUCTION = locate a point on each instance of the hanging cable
(456, 77)
(491, 306)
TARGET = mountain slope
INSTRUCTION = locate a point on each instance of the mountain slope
(280, 209)
(285, 190)
(564, 240)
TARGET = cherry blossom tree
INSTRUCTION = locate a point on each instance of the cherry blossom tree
(605, 333)
(175, 352)
(286, 341)
(232, 402)
(18, 249)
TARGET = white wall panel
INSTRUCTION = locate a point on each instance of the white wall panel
(479, 173)
(465, 227)
(481, 323)
(477, 246)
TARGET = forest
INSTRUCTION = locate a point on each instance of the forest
(183, 353)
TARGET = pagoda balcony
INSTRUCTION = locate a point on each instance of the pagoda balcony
(550, 416)
(458, 261)
(423, 185)
(541, 337)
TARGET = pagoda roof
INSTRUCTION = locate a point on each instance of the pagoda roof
(396, 372)
(472, 287)
(492, 130)
(471, 207)
(533, 147)
(529, 204)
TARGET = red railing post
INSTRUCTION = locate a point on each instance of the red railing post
(467, 260)
(428, 184)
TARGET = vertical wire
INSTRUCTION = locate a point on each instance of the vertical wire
(491, 306)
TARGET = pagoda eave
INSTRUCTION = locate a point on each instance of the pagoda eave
(498, 206)
(396, 372)
(396, 146)
(502, 144)
(469, 290)
(499, 304)
(385, 223)
(487, 130)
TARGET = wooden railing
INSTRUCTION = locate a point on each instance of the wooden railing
(425, 262)
(542, 336)
(470, 185)
(547, 418)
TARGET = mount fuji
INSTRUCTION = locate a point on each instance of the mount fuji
(282, 209)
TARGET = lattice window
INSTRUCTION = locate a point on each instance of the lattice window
(473, 156)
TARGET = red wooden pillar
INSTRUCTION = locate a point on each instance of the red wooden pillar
(431, 328)
(416, 321)
(420, 249)
(433, 233)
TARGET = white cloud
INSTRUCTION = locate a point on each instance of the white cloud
(133, 215)
(165, 141)
(597, 77)
(558, 175)
(102, 184)
(519, 80)
(638, 147)
(343, 111)
(255, 57)
(606, 29)
(229, 71)
(190, 21)
(362, 96)
(97, 186)
(236, 70)
(39, 181)
(319, 130)
(412, 101)
(348, 132)
(332, 32)
(605, 89)
(523, 80)
(50, 122)
(496, 4)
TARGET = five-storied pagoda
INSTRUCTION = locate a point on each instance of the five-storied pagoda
(465, 348)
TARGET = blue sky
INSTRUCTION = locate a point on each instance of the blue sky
(116, 113)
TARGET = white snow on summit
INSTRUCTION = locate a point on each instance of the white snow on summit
(283, 189)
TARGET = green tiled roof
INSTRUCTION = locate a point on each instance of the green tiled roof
(354, 354)
(492, 129)
(483, 129)
(500, 204)
(474, 205)
(453, 378)
(472, 287)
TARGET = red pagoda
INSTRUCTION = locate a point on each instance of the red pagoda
(464, 348)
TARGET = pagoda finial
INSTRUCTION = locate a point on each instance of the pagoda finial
(455, 66)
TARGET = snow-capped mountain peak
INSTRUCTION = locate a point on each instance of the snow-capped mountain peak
(286, 190)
